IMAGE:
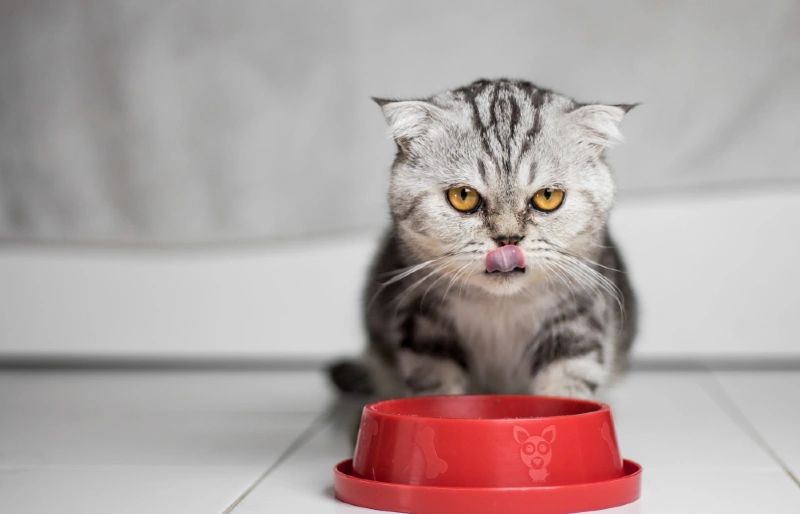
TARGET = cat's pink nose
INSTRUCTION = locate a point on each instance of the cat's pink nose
(505, 259)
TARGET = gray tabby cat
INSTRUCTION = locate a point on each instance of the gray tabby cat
(498, 274)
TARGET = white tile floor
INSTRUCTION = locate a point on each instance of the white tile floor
(265, 442)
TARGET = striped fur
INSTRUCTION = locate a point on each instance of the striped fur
(437, 322)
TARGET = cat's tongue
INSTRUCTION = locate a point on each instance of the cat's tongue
(504, 259)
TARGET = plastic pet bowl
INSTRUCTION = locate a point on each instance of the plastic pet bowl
(479, 454)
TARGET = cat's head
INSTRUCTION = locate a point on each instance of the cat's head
(501, 163)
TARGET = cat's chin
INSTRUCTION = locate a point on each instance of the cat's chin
(503, 283)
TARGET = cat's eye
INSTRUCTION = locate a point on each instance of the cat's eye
(464, 198)
(547, 199)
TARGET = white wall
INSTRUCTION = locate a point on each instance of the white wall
(148, 121)
(717, 275)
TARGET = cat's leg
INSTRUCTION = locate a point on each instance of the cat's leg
(572, 354)
(430, 358)
(574, 377)
(431, 375)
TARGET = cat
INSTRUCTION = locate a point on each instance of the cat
(498, 274)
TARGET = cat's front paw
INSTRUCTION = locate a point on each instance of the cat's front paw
(572, 378)
(581, 389)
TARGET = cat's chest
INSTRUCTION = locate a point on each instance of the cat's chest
(485, 323)
(498, 332)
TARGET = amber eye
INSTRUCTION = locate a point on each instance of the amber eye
(464, 198)
(547, 199)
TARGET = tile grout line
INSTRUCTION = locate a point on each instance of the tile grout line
(312, 430)
(716, 390)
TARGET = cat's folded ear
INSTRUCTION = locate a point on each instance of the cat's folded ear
(409, 119)
(598, 124)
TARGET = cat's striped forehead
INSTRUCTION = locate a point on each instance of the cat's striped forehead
(507, 117)
(502, 132)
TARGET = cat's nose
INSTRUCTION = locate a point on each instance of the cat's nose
(507, 240)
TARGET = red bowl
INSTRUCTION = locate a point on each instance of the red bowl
(487, 442)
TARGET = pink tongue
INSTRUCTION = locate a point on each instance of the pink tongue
(505, 259)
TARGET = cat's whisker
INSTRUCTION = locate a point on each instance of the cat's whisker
(589, 287)
(601, 246)
(450, 285)
(602, 280)
(587, 260)
(569, 278)
(386, 284)
(463, 283)
(462, 274)
(407, 291)
(401, 274)
(554, 248)
(562, 265)
(410, 271)
(433, 284)
(592, 278)
(555, 269)
(546, 274)
(580, 267)
(581, 279)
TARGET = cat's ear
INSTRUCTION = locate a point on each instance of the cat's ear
(598, 124)
(409, 119)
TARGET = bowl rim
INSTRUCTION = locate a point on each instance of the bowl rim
(600, 407)
(345, 468)
(582, 497)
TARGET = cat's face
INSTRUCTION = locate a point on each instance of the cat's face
(501, 163)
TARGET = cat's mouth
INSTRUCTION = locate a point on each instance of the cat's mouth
(506, 259)
(513, 271)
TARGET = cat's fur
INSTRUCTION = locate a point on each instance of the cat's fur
(438, 323)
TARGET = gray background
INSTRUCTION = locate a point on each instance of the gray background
(154, 121)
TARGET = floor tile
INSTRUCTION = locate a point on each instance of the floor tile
(668, 420)
(304, 482)
(152, 419)
(146, 439)
(770, 402)
(725, 492)
(122, 490)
